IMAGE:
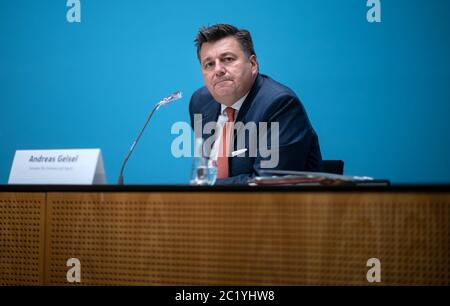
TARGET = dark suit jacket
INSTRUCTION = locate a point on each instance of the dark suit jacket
(267, 101)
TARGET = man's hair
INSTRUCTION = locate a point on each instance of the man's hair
(217, 32)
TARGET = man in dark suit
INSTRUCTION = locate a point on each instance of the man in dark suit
(241, 103)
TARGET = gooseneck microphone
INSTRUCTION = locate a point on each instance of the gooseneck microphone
(173, 97)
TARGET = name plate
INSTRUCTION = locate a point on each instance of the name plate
(58, 167)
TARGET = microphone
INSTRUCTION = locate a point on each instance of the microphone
(169, 99)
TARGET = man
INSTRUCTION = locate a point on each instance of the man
(235, 93)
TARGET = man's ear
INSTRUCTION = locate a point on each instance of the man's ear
(255, 65)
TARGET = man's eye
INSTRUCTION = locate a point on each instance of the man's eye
(208, 65)
(228, 59)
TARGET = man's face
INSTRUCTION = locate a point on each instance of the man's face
(227, 71)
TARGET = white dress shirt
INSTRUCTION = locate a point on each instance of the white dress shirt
(223, 118)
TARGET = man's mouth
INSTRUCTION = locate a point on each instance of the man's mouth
(221, 81)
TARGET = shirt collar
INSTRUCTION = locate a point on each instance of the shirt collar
(236, 106)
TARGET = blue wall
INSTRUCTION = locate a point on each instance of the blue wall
(377, 94)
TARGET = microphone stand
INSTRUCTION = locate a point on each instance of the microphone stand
(167, 100)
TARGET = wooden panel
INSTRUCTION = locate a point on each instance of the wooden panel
(245, 238)
(22, 238)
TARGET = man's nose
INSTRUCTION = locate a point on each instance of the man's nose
(219, 69)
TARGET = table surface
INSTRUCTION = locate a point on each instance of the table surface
(187, 188)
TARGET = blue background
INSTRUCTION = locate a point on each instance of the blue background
(377, 94)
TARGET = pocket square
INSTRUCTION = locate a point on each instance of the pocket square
(238, 152)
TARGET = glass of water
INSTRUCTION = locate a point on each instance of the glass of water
(204, 171)
(212, 171)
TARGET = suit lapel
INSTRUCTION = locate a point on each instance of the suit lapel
(210, 115)
(247, 104)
